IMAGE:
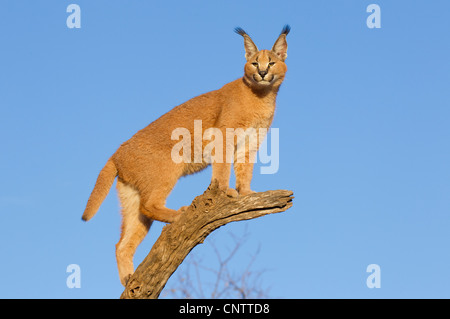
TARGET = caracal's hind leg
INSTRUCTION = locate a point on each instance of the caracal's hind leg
(154, 207)
(134, 228)
(153, 198)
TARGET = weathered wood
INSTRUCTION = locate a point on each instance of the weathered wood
(207, 212)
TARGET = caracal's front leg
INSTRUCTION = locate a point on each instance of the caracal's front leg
(244, 160)
(244, 173)
(221, 172)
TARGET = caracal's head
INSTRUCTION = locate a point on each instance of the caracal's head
(265, 68)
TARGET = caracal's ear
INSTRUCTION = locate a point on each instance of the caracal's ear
(280, 46)
(250, 47)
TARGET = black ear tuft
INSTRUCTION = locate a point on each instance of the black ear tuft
(240, 31)
(286, 29)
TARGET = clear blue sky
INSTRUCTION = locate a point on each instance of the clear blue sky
(364, 120)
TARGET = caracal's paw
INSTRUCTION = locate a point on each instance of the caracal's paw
(246, 192)
(177, 214)
(124, 280)
(231, 192)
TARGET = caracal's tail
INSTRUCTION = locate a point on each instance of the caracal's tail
(101, 189)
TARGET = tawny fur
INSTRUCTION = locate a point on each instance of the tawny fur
(143, 164)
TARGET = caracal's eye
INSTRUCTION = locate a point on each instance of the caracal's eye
(271, 63)
(255, 64)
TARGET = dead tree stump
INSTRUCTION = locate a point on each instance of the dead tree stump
(207, 212)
